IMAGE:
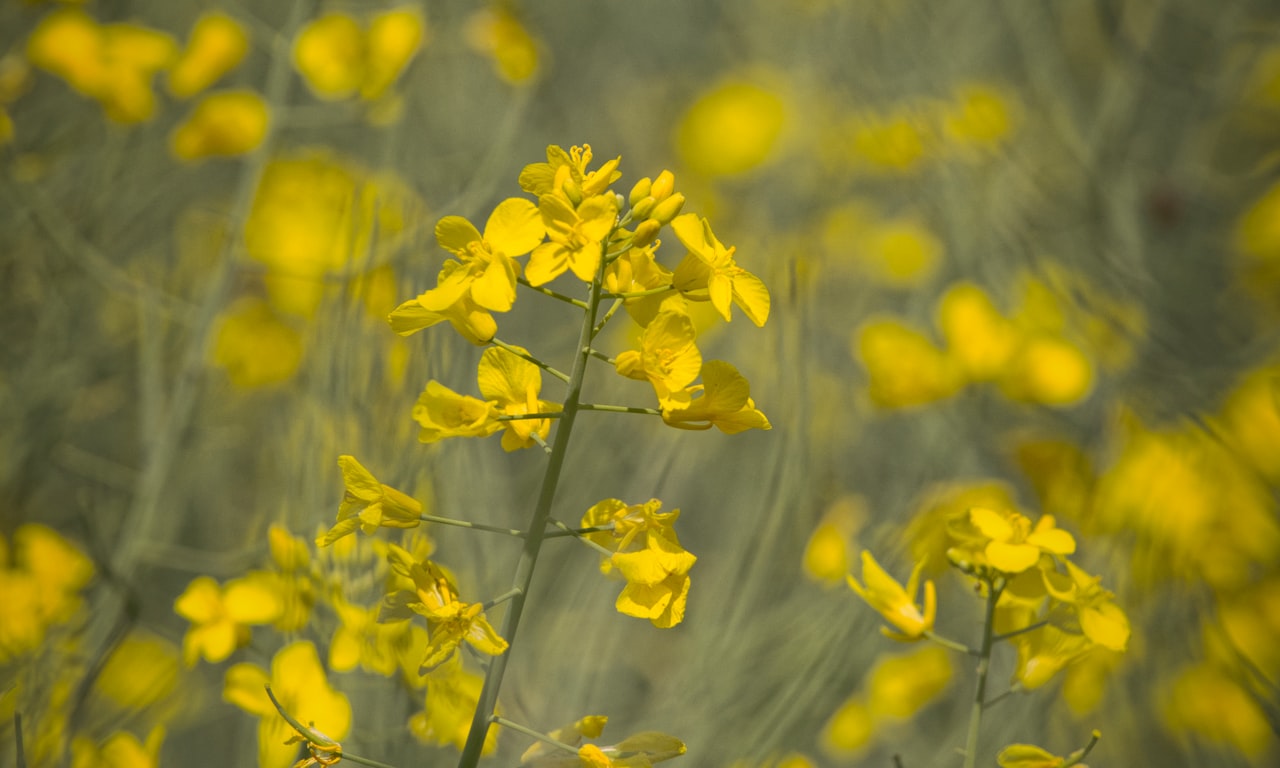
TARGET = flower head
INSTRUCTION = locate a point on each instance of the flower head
(221, 616)
(648, 555)
(489, 267)
(574, 237)
(443, 413)
(369, 505)
(512, 383)
(667, 358)
(1008, 542)
(725, 403)
(710, 272)
(565, 173)
(895, 604)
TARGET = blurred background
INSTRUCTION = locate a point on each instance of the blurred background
(1021, 254)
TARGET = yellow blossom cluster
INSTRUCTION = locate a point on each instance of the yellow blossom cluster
(1046, 353)
(339, 57)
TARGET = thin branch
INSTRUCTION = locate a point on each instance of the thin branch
(560, 534)
(469, 524)
(570, 532)
(640, 294)
(505, 723)
(579, 303)
(618, 409)
(608, 315)
(1016, 632)
(600, 356)
(500, 599)
(520, 353)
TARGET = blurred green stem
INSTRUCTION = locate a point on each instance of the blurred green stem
(994, 588)
(537, 528)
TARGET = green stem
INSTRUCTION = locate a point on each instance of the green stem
(608, 315)
(984, 667)
(1080, 754)
(1016, 632)
(618, 409)
(600, 356)
(579, 303)
(640, 294)
(469, 524)
(537, 528)
(566, 531)
(500, 599)
(505, 723)
(520, 353)
(947, 642)
(602, 550)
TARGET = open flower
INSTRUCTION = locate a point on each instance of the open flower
(443, 413)
(895, 604)
(569, 170)
(1009, 543)
(668, 358)
(369, 505)
(472, 321)
(512, 384)
(725, 403)
(574, 237)
(710, 272)
(1101, 620)
(648, 555)
(435, 596)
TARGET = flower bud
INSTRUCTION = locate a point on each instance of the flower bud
(663, 185)
(640, 191)
(668, 209)
(646, 233)
(641, 209)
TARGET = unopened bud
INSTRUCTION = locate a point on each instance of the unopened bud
(646, 233)
(640, 191)
(668, 209)
(664, 185)
(641, 209)
(572, 191)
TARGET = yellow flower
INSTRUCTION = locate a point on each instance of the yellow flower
(725, 403)
(589, 727)
(369, 505)
(122, 749)
(574, 237)
(452, 696)
(221, 616)
(140, 672)
(1009, 543)
(512, 384)
(900, 686)
(906, 369)
(1044, 652)
(851, 728)
(255, 346)
(497, 33)
(337, 58)
(638, 751)
(513, 229)
(218, 44)
(1050, 370)
(443, 413)
(980, 118)
(566, 174)
(978, 337)
(1027, 756)
(667, 358)
(895, 604)
(223, 124)
(112, 63)
(636, 271)
(435, 596)
(361, 640)
(1101, 620)
(298, 681)
(648, 555)
(709, 271)
(826, 556)
(473, 322)
(1210, 703)
(731, 129)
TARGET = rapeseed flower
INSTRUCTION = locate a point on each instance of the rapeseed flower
(566, 174)
(1008, 542)
(221, 616)
(451, 698)
(443, 413)
(709, 272)
(647, 553)
(498, 34)
(223, 124)
(217, 45)
(668, 358)
(574, 237)
(725, 403)
(895, 604)
(338, 58)
(512, 384)
(369, 505)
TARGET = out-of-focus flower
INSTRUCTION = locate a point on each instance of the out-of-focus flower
(731, 129)
(900, 686)
(826, 556)
(338, 58)
(221, 616)
(255, 347)
(111, 63)
(904, 366)
(497, 33)
(452, 695)
(979, 118)
(139, 674)
(1208, 703)
(299, 683)
(890, 143)
(122, 749)
(978, 337)
(1008, 542)
(1051, 370)
(850, 729)
(897, 605)
(1043, 652)
(223, 124)
(217, 45)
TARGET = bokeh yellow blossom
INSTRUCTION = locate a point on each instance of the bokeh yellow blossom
(499, 34)
(255, 346)
(217, 45)
(224, 124)
(221, 616)
(731, 129)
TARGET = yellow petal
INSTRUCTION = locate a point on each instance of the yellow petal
(245, 686)
(1012, 558)
(515, 227)
(992, 524)
(752, 297)
(253, 600)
